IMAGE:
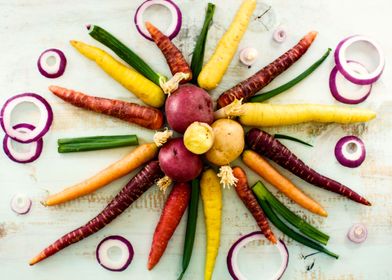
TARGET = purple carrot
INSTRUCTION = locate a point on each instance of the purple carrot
(266, 145)
(131, 192)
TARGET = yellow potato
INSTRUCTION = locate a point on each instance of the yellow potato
(198, 138)
(228, 142)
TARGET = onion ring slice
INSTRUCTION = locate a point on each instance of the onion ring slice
(350, 157)
(109, 242)
(55, 70)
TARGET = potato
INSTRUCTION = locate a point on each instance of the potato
(228, 143)
(198, 138)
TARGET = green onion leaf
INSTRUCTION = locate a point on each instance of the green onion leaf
(291, 138)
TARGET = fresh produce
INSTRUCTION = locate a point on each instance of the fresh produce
(93, 143)
(139, 156)
(358, 94)
(186, 105)
(232, 256)
(347, 71)
(262, 167)
(144, 89)
(350, 151)
(261, 114)
(177, 162)
(112, 264)
(269, 94)
(131, 192)
(228, 143)
(280, 35)
(21, 204)
(249, 200)
(357, 233)
(248, 88)
(199, 138)
(43, 126)
(248, 56)
(290, 232)
(178, 66)
(190, 227)
(30, 155)
(264, 144)
(198, 52)
(211, 196)
(130, 112)
(125, 53)
(212, 73)
(262, 193)
(291, 138)
(174, 209)
(51, 63)
(175, 12)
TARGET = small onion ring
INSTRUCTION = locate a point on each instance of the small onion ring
(280, 35)
(176, 22)
(346, 158)
(364, 91)
(55, 70)
(20, 204)
(345, 69)
(357, 233)
(114, 241)
(232, 263)
(23, 157)
(43, 126)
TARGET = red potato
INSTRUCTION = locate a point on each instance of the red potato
(178, 163)
(186, 105)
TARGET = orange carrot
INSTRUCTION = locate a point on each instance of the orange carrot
(173, 210)
(173, 55)
(248, 88)
(263, 168)
(245, 193)
(130, 162)
(130, 112)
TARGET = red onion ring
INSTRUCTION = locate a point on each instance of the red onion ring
(357, 233)
(175, 24)
(20, 204)
(55, 70)
(345, 69)
(280, 35)
(354, 98)
(40, 130)
(232, 263)
(347, 158)
(126, 253)
(23, 157)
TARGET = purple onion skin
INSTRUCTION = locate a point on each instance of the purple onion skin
(342, 159)
(47, 107)
(63, 64)
(126, 242)
(178, 163)
(40, 144)
(186, 105)
(266, 145)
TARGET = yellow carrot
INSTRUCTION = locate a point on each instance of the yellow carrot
(260, 114)
(211, 196)
(142, 154)
(262, 167)
(147, 91)
(212, 73)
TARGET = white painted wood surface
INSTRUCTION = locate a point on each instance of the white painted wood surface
(27, 27)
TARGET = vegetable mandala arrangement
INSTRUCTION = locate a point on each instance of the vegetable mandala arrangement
(211, 140)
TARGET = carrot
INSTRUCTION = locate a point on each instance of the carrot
(261, 114)
(262, 167)
(130, 112)
(211, 196)
(248, 88)
(245, 193)
(130, 193)
(172, 213)
(143, 88)
(127, 164)
(212, 73)
(265, 144)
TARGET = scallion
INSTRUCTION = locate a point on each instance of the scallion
(291, 138)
